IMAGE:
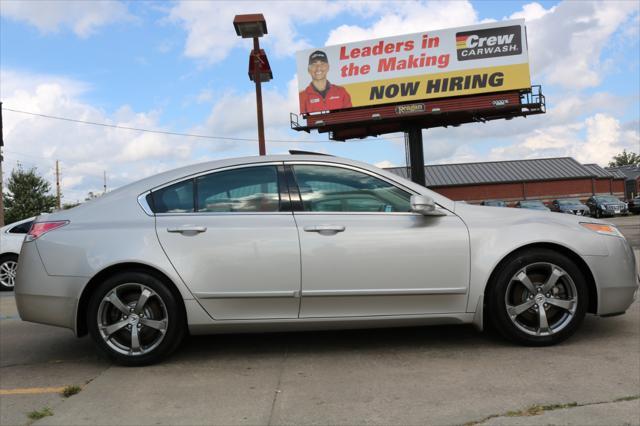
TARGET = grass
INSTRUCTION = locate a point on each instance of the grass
(535, 410)
(71, 390)
(37, 415)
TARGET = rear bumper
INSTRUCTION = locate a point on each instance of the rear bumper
(616, 276)
(43, 298)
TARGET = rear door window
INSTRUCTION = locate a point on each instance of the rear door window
(176, 198)
(249, 189)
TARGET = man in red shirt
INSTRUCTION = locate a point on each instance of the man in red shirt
(321, 95)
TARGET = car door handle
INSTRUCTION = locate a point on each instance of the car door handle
(188, 229)
(325, 229)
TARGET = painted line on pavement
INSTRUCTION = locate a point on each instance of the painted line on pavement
(30, 391)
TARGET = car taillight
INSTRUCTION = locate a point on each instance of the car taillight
(38, 229)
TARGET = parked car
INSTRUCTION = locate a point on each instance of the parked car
(634, 205)
(569, 205)
(606, 205)
(11, 237)
(532, 205)
(302, 242)
(494, 203)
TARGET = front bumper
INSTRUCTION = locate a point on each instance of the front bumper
(615, 275)
(43, 298)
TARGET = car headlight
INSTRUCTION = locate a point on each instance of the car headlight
(602, 229)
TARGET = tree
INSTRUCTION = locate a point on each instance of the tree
(625, 159)
(27, 195)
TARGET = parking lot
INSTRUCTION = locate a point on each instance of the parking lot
(435, 375)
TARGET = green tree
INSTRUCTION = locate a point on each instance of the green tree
(27, 195)
(625, 159)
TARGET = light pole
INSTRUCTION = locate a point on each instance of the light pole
(254, 26)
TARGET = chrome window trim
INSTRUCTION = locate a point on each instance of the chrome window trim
(307, 213)
(142, 201)
(222, 214)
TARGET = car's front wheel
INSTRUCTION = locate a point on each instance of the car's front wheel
(539, 297)
(8, 268)
(135, 319)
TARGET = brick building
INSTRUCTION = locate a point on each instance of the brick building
(540, 179)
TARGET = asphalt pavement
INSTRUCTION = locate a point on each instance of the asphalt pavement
(428, 375)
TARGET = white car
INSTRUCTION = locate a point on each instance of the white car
(11, 238)
(305, 242)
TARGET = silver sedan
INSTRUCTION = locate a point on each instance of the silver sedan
(310, 242)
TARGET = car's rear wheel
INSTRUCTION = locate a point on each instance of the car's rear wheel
(539, 298)
(8, 268)
(135, 319)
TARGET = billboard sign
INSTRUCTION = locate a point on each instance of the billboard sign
(483, 58)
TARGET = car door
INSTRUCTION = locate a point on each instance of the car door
(364, 253)
(230, 237)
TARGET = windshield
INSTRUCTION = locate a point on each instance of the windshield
(608, 199)
(569, 202)
(495, 203)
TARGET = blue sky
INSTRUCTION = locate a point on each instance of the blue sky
(178, 66)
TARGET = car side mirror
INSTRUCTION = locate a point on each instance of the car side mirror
(425, 206)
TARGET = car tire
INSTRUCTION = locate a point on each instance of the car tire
(135, 319)
(598, 214)
(539, 297)
(8, 269)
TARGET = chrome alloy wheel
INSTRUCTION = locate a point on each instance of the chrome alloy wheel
(541, 299)
(8, 270)
(132, 319)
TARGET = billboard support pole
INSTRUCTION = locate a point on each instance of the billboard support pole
(413, 137)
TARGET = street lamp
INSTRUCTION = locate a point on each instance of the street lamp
(254, 26)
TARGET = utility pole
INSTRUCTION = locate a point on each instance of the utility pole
(58, 185)
(105, 181)
(1, 175)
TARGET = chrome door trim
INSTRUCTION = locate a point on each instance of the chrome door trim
(384, 292)
(246, 294)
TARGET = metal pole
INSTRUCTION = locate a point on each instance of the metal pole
(416, 154)
(256, 78)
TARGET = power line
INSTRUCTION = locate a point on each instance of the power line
(165, 132)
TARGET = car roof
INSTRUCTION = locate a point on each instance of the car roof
(149, 183)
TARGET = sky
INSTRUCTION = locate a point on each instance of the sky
(179, 67)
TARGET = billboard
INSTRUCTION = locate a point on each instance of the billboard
(470, 60)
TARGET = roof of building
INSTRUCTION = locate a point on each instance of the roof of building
(599, 171)
(543, 169)
(627, 172)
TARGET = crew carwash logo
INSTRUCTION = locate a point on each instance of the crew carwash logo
(489, 43)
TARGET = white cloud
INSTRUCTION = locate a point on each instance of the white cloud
(82, 17)
(566, 42)
(532, 11)
(84, 151)
(385, 164)
(408, 17)
(211, 40)
(594, 140)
